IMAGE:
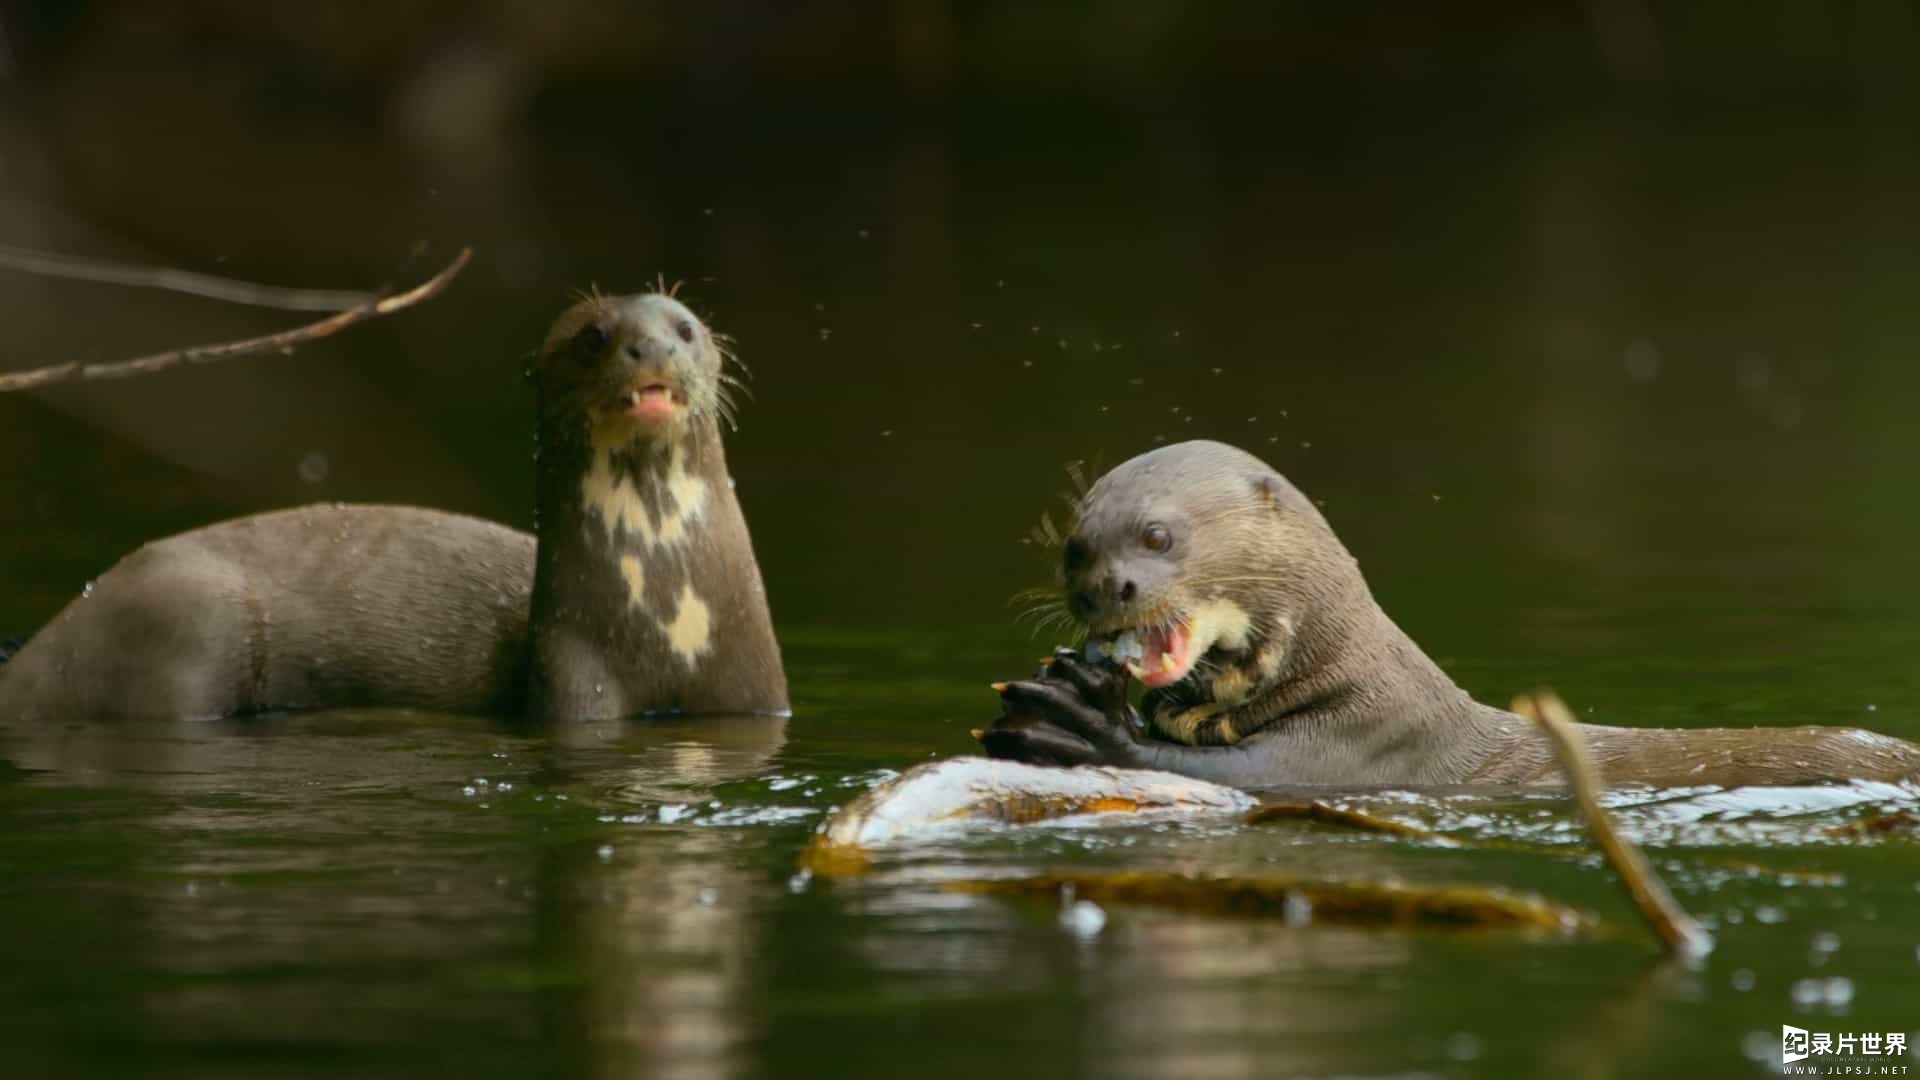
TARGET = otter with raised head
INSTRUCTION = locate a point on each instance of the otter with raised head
(1202, 572)
(640, 593)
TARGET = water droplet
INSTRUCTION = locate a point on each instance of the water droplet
(87, 589)
(707, 897)
(1805, 993)
(1762, 1047)
(604, 852)
(1296, 909)
(1741, 980)
(1463, 1046)
(798, 883)
(1083, 919)
(313, 467)
(468, 791)
(1837, 992)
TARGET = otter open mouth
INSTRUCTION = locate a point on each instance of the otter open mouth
(1157, 655)
(653, 402)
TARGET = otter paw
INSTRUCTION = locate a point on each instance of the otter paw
(1102, 685)
(1038, 744)
(1070, 715)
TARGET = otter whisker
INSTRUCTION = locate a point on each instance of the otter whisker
(723, 344)
(1043, 607)
(1046, 533)
(1061, 623)
(723, 405)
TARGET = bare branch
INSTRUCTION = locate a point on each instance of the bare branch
(108, 272)
(232, 350)
(1676, 929)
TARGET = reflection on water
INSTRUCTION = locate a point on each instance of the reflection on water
(376, 891)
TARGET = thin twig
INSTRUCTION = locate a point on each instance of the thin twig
(231, 350)
(1675, 928)
(108, 272)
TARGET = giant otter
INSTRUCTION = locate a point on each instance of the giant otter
(641, 593)
(1202, 572)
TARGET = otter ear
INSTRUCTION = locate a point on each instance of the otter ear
(1269, 488)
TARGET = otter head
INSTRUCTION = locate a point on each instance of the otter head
(1198, 567)
(639, 369)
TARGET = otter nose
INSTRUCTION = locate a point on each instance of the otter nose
(646, 348)
(1110, 591)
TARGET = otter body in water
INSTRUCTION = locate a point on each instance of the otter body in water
(1267, 662)
(640, 594)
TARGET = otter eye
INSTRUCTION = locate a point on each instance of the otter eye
(684, 329)
(1157, 539)
(1075, 556)
(590, 340)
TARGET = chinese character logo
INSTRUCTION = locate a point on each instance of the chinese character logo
(1793, 1043)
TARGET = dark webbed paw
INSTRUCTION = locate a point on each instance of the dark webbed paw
(1070, 713)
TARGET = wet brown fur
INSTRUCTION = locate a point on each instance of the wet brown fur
(1336, 693)
(600, 650)
(336, 606)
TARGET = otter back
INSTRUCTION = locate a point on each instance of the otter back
(332, 606)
